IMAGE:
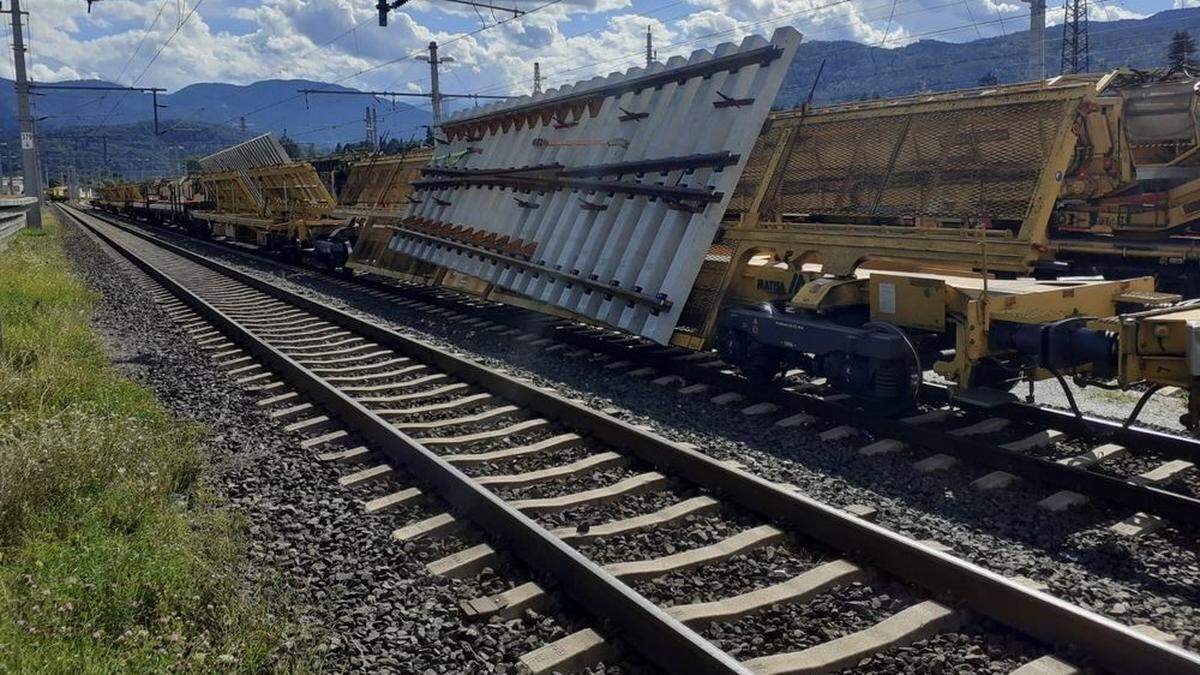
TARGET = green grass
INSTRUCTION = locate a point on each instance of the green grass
(113, 554)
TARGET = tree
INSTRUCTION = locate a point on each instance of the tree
(1180, 52)
(989, 80)
(291, 147)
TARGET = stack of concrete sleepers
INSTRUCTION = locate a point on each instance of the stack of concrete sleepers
(600, 198)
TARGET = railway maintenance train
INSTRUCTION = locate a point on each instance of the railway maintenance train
(865, 243)
(159, 202)
(254, 194)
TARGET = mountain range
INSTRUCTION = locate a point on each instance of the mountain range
(854, 71)
(200, 116)
(269, 105)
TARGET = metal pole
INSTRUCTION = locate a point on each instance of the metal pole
(435, 92)
(29, 163)
(1037, 39)
(649, 47)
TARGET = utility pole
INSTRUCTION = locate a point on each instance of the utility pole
(1075, 37)
(431, 96)
(72, 182)
(435, 91)
(537, 78)
(1037, 37)
(649, 47)
(29, 163)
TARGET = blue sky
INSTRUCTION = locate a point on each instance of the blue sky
(173, 43)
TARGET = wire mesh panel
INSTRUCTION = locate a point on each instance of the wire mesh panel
(602, 197)
(258, 178)
(383, 182)
(944, 163)
(833, 168)
(754, 172)
(291, 191)
(978, 153)
(706, 289)
(231, 192)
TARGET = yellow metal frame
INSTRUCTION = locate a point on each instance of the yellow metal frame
(381, 185)
(251, 205)
(1078, 91)
(121, 193)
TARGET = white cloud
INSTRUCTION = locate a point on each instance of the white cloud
(41, 72)
(1110, 12)
(241, 41)
(288, 39)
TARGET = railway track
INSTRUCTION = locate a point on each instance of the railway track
(1080, 458)
(545, 478)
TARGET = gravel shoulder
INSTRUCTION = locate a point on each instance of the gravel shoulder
(1153, 580)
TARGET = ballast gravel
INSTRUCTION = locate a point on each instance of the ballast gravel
(360, 600)
(1155, 580)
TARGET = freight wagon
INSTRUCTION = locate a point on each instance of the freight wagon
(866, 243)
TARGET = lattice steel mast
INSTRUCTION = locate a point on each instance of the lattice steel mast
(1075, 37)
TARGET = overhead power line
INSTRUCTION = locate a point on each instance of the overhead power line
(385, 7)
(133, 85)
(388, 62)
(386, 94)
(153, 91)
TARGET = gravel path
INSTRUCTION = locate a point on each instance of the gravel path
(361, 599)
(1153, 581)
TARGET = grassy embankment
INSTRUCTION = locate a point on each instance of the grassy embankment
(113, 556)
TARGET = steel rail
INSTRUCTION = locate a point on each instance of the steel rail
(1030, 611)
(1145, 498)
(661, 638)
(1168, 444)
